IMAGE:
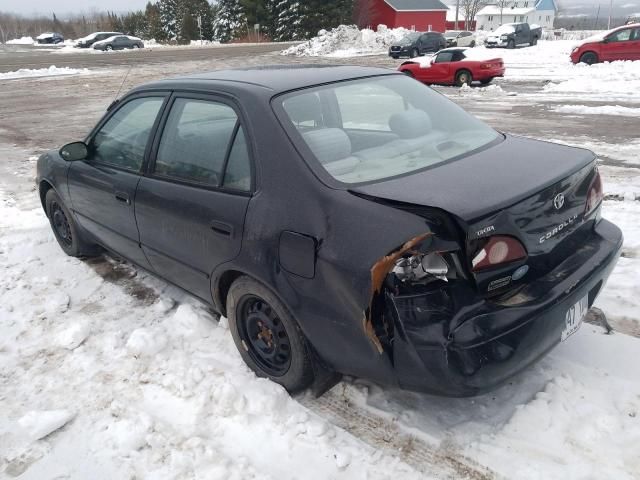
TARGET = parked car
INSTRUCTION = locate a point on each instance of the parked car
(459, 38)
(118, 42)
(511, 35)
(622, 43)
(415, 44)
(454, 66)
(89, 40)
(344, 219)
(49, 38)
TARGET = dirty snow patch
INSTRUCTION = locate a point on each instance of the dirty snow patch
(615, 110)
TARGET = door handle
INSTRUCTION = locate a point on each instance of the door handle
(222, 228)
(123, 197)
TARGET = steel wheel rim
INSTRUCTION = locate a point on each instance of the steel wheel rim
(464, 78)
(264, 336)
(61, 224)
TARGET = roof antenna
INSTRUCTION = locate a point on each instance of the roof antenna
(115, 100)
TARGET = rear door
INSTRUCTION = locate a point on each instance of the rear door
(191, 205)
(102, 187)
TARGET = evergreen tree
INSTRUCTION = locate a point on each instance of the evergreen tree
(154, 28)
(188, 29)
(230, 21)
(170, 18)
(290, 18)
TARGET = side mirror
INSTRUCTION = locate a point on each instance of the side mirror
(606, 40)
(72, 152)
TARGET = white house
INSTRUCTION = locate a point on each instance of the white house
(534, 12)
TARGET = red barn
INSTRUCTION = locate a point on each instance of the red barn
(421, 15)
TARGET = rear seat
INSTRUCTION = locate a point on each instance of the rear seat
(332, 148)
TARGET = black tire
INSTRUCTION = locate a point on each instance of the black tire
(589, 58)
(463, 77)
(511, 44)
(414, 53)
(253, 310)
(408, 73)
(65, 230)
(472, 44)
(534, 41)
(486, 81)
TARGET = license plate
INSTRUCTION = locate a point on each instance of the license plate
(574, 317)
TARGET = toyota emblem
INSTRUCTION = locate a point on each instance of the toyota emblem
(558, 201)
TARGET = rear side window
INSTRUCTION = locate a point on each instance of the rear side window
(122, 140)
(199, 139)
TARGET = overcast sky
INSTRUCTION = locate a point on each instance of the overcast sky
(63, 7)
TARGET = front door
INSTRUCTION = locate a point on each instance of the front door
(103, 187)
(191, 205)
(617, 46)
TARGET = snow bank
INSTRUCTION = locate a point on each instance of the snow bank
(39, 424)
(52, 71)
(21, 41)
(615, 110)
(348, 41)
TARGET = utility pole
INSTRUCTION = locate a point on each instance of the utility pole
(455, 25)
(610, 12)
(595, 26)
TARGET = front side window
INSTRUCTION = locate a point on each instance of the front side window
(123, 139)
(377, 128)
(195, 141)
(444, 57)
(621, 36)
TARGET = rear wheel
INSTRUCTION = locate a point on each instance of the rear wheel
(472, 44)
(65, 230)
(534, 41)
(511, 44)
(414, 53)
(463, 77)
(108, 48)
(589, 58)
(267, 336)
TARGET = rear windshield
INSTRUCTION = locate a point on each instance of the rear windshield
(372, 129)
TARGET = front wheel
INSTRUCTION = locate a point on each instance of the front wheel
(414, 53)
(108, 48)
(64, 228)
(135, 47)
(589, 58)
(267, 336)
(511, 44)
(472, 44)
(463, 77)
(408, 73)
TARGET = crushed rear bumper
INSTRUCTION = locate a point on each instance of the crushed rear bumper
(447, 344)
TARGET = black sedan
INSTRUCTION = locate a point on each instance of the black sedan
(415, 44)
(346, 220)
(118, 42)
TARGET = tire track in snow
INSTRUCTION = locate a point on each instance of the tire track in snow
(383, 434)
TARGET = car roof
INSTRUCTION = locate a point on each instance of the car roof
(276, 78)
(454, 49)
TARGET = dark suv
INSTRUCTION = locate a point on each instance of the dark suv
(416, 44)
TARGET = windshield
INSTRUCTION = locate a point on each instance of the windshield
(451, 34)
(376, 128)
(410, 38)
(504, 29)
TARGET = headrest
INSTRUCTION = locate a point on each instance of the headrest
(303, 108)
(328, 144)
(410, 124)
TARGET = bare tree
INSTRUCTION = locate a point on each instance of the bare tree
(470, 9)
(364, 13)
(502, 4)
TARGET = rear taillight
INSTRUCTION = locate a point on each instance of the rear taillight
(498, 251)
(486, 65)
(595, 195)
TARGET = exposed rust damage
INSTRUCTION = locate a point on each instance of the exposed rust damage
(379, 272)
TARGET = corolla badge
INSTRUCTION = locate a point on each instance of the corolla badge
(558, 201)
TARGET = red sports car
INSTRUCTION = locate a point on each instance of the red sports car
(622, 43)
(454, 66)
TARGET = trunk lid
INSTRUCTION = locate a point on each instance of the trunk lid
(533, 191)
